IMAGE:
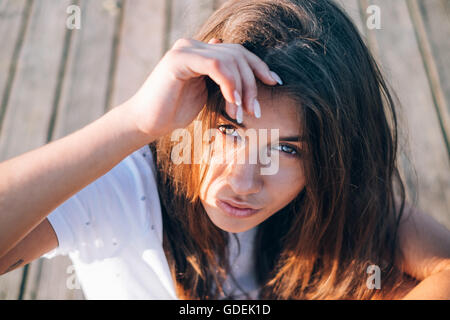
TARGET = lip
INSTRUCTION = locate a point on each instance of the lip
(232, 209)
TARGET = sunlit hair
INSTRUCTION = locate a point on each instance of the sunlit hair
(320, 245)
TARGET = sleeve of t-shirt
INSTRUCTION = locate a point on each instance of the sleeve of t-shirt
(111, 211)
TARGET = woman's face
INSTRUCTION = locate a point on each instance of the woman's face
(232, 183)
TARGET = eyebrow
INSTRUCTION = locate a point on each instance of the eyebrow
(226, 116)
(242, 125)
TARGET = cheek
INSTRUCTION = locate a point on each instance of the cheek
(211, 178)
(285, 185)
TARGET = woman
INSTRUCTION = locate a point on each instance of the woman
(331, 213)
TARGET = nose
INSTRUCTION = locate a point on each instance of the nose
(244, 178)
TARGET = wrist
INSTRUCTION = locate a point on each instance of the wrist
(127, 124)
(146, 120)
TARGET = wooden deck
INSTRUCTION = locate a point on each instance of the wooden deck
(54, 81)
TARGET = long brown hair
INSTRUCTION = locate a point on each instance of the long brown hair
(320, 245)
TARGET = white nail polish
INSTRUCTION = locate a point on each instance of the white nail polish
(239, 114)
(257, 109)
(237, 98)
(276, 78)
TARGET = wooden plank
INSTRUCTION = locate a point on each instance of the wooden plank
(187, 16)
(86, 83)
(10, 285)
(139, 50)
(436, 20)
(13, 19)
(402, 63)
(30, 102)
(83, 97)
(47, 280)
(432, 24)
(141, 46)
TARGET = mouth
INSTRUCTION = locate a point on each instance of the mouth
(232, 210)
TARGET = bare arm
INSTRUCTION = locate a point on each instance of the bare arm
(35, 244)
(35, 183)
(434, 287)
(425, 246)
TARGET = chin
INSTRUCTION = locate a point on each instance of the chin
(234, 229)
(230, 224)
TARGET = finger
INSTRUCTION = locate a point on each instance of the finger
(248, 81)
(230, 62)
(249, 88)
(260, 68)
(231, 109)
(236, 109)
(222, 69)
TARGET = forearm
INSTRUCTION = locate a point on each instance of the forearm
(434, 287)
(33, 184)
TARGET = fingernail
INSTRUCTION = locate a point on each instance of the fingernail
(276, 78)
(237, 98)
(257, 109)
(239, 114)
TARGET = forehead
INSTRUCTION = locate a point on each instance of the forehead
(278, 111)
(279, 105)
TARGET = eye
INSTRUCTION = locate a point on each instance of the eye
(288, 149)
(228, 130)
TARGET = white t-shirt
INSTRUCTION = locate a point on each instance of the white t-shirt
(112, 232)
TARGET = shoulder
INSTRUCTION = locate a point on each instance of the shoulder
(119, 207)
(135, 167)
(130, 188)
(424, 244)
